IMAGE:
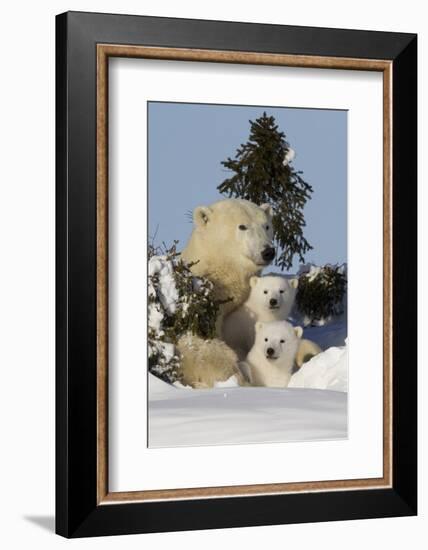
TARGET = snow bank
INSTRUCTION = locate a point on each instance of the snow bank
(326, 371)
(158, 389)
(313, 407)
(231, 382)
(244, 415)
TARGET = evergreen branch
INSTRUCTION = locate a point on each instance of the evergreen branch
(261, 175)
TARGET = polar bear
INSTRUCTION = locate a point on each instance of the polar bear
(271, 360)
(307, 349)
(205, 362)
(271, 299)
(231, 241)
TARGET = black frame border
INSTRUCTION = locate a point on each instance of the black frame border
(77, 512)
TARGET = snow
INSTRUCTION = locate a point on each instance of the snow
(158, 388)
(313, 272)
(289, 156)
(161, 274)
(326, 371)
(312, 407)
(229, 383)
(333, 333)
(167, 293)
(155, 319)
(186, 417)
(161, 267)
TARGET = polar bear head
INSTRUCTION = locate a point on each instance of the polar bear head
(273, 295)
(277, 340)
(236, 229)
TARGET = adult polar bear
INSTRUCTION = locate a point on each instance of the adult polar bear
(231, 242)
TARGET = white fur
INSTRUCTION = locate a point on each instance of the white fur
(226, 247)
(271, 299)
(271, 359)
(227, 244)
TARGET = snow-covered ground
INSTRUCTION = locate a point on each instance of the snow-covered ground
(313, 407)
(224, 416)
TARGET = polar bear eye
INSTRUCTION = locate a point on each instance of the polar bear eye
(267, 228)
(243, 227)
(282, 341)
(281, 292)
(265, 292)
(266, 339)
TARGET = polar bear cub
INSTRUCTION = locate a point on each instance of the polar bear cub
(271, 359)
(271, 299)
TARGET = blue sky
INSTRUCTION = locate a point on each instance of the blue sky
(187, 143)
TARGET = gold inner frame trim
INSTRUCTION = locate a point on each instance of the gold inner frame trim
(104, 51)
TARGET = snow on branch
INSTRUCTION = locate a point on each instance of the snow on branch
(178, 302)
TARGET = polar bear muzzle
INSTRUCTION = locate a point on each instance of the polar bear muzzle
(268, 254)
(270, 354)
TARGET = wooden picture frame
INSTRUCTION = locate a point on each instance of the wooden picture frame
(84, 505)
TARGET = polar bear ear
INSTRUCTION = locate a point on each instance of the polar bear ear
(294, 283)
(298, 331)
(201, 215)
(268, 209)
(253, 281)
(258, 326)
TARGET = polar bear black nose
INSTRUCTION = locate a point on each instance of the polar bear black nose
(273, 301)
(270, 351)
(268, 254)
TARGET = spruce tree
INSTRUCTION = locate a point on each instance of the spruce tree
(321, 292)
(263, 173)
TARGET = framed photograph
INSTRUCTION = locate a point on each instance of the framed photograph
(236, 274)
